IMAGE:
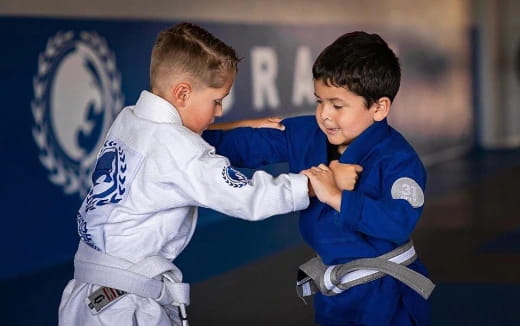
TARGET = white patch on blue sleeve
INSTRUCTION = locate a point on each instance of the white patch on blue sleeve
(407, 189)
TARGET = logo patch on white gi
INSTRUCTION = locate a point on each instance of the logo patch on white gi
(233, 177)
(108, 185)
(77, 93)
(407, 189)
(109, 177)
(83, 231)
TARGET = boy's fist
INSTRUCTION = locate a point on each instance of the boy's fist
(345, 175)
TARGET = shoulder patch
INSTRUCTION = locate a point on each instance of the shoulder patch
(407, 189)
(233, 177)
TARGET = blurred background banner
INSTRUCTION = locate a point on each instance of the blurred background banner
(67, 68)
(64, 80)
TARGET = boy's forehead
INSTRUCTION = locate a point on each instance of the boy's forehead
(329, 91)
(219, 92)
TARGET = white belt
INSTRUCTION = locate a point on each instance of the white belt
(153, 277)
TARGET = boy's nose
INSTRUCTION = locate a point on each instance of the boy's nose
(325, 114)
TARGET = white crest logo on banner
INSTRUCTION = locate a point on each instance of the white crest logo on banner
(77, 94)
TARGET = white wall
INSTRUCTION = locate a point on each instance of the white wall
(398, 12)
(511, 73)
(499, 114)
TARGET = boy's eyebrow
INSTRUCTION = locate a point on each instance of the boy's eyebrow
(330, 99)
(221, 98)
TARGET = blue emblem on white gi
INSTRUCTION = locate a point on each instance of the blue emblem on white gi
(234, 178)
(109, 177)
(77, 93)
(83, 231)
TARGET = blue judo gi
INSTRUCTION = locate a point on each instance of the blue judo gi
(370, 223)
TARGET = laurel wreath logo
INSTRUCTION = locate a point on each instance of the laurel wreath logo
(116, 196)
(71, 178)
(233, 177)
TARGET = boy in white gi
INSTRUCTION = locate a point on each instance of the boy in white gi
(152, 173)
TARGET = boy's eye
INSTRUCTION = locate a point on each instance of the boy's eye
(218, 102)
(337, 106)
(319, 101)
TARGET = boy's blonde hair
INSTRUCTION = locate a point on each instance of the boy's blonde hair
(190, 51)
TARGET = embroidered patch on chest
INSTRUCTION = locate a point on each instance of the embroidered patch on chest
(407, 189)
(233, 177)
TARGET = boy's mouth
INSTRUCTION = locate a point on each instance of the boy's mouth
(332, 131)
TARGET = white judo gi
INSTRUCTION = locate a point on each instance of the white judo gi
(151, 175)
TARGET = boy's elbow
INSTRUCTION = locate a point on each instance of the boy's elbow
(401, 238)
(405, 231)
(253, 216)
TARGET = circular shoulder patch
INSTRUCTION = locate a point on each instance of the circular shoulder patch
(234, 178)
(407, 189)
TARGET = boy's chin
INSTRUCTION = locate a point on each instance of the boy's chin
(335, 140)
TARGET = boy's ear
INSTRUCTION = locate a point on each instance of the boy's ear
(382, 108)
(181, 93)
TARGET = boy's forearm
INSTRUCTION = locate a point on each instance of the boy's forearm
(229, 125)
(334, 201)
(269, 122)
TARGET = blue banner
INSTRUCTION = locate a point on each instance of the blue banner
(64, 80)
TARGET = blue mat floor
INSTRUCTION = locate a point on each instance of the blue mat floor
(469, 238)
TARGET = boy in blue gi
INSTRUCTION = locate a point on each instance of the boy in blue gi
(356, 79)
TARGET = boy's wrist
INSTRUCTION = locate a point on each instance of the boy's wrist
(334, 200)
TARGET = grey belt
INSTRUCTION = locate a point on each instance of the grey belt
(315, 276)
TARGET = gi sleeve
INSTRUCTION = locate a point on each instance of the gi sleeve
(249, 147)
(200, 177)
(393, 214)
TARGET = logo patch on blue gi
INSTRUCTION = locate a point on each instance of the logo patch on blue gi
(233, 177)
(77, 93)
(407, 189)
(109, 177)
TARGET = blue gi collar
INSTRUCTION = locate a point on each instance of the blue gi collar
(365, 142)
(152, 107)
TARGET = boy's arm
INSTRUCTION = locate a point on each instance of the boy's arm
(269, 122)
(250, 147)
(202, 178)
(394, 212)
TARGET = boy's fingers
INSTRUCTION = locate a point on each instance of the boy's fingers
(307, 173)
(276, 125)
(333, 164)
(323, 167)
(275, 119)
(277, 122)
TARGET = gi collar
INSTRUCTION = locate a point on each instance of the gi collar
(365, 142)
(152, 107)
